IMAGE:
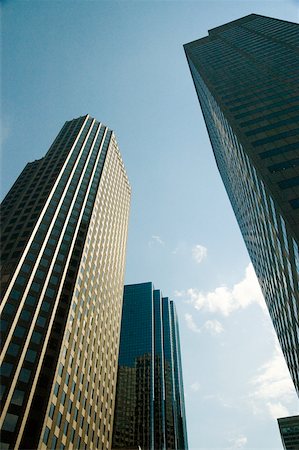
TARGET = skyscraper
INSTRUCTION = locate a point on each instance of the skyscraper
(64, 235)
(149, 409)
(289, 431)
(246, 77)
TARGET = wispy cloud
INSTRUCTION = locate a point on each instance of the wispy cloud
(191, 324)
(155, 239)
(224, 300)
(238, 442)
(277, 410)
(195, 387)
(272, 387)
(214, 326)
(199, 253)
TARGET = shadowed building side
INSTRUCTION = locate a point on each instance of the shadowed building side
(246, 78)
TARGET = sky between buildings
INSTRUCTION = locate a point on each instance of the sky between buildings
(123, 63)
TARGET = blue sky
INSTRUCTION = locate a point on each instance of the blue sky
(123, 63)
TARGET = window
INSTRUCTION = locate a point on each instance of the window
(56, 389)
(25, 375)
(3, 325)
(15, 295)
(13, 349)
(54, 442)
(45, 306)
(46, 435)
(31, 356)
(63, 396)
(30, 300)
(66, 425)
(59, 418)
(6, 369)
(35, 287)
(51, 411)
(50, 292)
(19, 331)
(9, 309)
(72, 435)
(10, 422)
(18, 397)
(26, 268)
(25, 315)
(290, 182)
(60, 369)
(41, 321)
(36, 337)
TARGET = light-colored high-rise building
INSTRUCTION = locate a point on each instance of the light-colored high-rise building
(64, 233)
(246, 77)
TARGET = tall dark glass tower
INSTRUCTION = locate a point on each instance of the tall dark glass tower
(289, 432)
(246, 77)
(149, 410)
(64, 232)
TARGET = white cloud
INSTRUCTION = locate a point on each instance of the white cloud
(239, 442)
(214, 326)
(273, 379)
(272, 387)
(179, 293)
(191, 324)
(195, 387)
(224, 300)
(277, 410)
(156, 239)
(199, 253)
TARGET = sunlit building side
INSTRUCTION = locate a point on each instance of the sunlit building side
(64, 233)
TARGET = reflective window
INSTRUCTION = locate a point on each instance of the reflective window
(10, 422)
(24, 375)
(18, 397)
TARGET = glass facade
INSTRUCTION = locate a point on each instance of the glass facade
(289, 431)
(245, 75)
(149, 410)
(64, 237)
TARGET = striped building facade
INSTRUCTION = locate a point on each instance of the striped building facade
(64, 233)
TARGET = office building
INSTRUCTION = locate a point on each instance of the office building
(246, 77)
(289, 431)
(64, 235)
(149, 410)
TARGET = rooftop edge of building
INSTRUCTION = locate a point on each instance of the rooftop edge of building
(144, 283)
(285, 419)
(89, 116)
(214, 31)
